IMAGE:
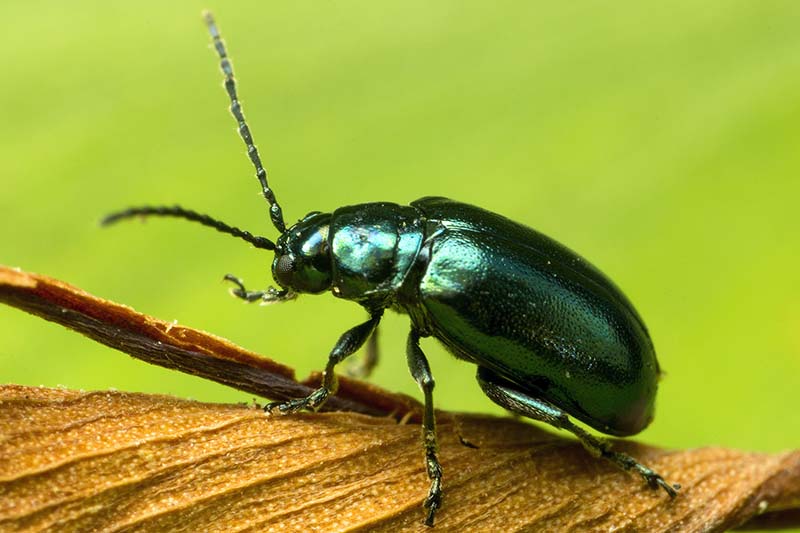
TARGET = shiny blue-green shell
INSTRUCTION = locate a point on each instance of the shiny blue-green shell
(505, 297)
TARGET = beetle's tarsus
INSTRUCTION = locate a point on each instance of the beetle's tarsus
(655, 481)
(240, 291)
(432, 503)
(626, 462)
(268, 296)
(289, 407)
(310, 403)
(434, 500)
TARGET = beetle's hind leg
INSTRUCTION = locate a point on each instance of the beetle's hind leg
(508, 395)
(421, 371)
(350, 341)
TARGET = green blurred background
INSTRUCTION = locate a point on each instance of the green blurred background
(659, 141)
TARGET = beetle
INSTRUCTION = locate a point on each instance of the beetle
(551, 335)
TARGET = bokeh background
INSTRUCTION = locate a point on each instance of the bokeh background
(661, 141)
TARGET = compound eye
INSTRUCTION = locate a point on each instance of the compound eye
(285, 267)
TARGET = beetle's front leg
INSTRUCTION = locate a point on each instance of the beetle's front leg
(350, 341)
(510, 396)
(421, 371)
(271, 295)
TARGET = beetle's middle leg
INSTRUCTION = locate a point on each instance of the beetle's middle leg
(362, 368)
(509, 395)
(421, 371)
(350, 341)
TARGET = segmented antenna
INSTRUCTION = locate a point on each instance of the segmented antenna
(236, 109)
(179, 212)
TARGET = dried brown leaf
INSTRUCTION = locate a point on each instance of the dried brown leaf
(89, 461)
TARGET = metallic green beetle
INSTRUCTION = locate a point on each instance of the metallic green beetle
(550, 334)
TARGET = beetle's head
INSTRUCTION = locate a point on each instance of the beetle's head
(302, 256)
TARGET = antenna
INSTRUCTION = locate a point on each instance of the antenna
(244, 131)
(179, 212)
